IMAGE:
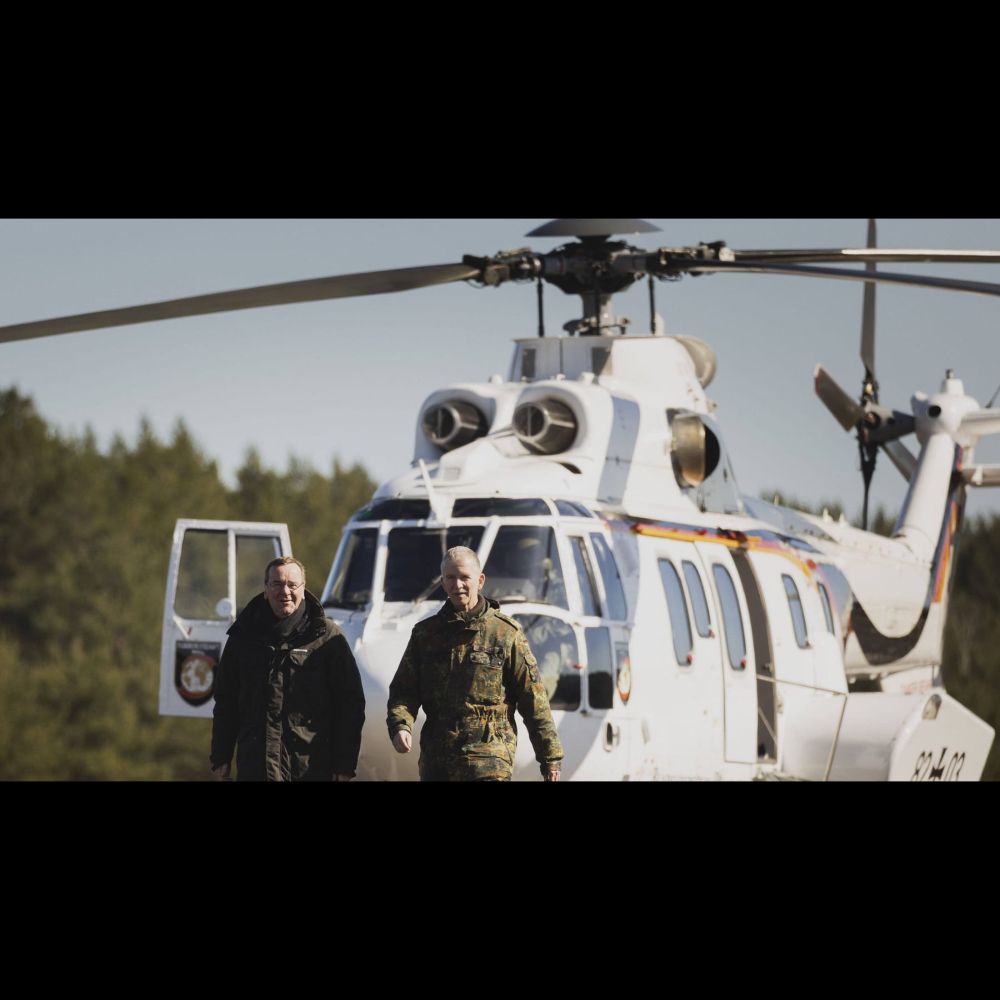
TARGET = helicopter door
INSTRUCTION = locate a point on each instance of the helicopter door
(739, 683)
(767, 725)
(215, 568)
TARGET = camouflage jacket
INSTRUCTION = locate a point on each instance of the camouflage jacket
(469, 674)
(295, 707)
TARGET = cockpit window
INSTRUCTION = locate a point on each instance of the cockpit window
(413, 563)
(352, 579)
(570, 508)
(499, 507)
(395, 510)
(617, 608)
(524, 565)
(585, 576)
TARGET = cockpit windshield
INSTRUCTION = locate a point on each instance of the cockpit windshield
(524, 565)
(413, 564)
(352, 577)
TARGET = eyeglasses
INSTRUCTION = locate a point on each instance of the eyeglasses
(281, 584)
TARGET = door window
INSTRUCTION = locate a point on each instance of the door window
(699, 605)
(600, 677)
(795, 607)
(824, 598)
(203, 575)
(253, 553)
(553, 644)
(732, 620)
(680, 627)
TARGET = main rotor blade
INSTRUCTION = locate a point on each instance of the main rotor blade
(845, 410)
(920, 281)
(851, 256)
(310, 290)
(868, 314)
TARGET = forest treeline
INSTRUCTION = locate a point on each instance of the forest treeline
(84, 545)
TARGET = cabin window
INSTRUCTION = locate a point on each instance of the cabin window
(824, 599)
(795, 607)
(203, 575)
(732, 620)
(617, 609)
(600, 676)
(699, 605)
(352, 576)
(499, 507)
(585, 574)
(413, 563)
(680, 627)
(524, 565)
(553, 644)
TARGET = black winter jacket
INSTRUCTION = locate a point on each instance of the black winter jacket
(295, 707)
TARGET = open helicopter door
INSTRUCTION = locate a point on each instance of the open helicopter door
(215, 568)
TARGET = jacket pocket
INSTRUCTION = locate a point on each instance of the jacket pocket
(301, 727)
(487, 761)
(486, 687)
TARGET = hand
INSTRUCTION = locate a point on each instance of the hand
(342, 777)
(550, 775)
(402, 742)
(221, 772)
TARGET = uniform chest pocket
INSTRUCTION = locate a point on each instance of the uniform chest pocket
(486, 681)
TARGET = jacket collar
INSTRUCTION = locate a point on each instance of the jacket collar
(255, 620)
(448, 614)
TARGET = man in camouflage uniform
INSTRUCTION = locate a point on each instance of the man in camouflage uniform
(469, 667)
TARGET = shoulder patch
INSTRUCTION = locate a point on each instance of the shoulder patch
(510, 621)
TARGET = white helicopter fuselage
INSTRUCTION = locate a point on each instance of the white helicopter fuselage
(682, 630)
(685, 632)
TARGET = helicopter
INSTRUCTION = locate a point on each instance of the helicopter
(684, 629)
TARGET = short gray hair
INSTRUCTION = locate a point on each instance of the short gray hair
(461, 553)
(283, 561)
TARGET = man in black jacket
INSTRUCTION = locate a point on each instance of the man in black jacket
(287, 688)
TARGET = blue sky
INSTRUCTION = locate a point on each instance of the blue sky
(347, 377)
